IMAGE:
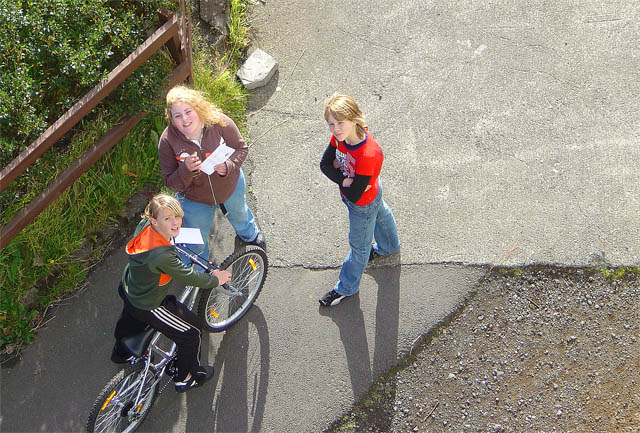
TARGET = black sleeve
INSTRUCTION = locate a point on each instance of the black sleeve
(355, 191)
(326, 165)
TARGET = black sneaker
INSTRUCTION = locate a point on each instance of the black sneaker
(204, 374)
(331, 299)
(186, 384)
(259, 241)
(373, 255)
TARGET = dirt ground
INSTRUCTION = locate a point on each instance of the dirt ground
(533, 350)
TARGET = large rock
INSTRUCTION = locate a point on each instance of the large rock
(215, 13)
(257, 70)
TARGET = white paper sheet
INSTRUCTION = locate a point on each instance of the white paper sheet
(189, 235)
(220, 155)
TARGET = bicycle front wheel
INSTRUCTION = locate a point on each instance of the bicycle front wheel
(118, 408)
(220, 308)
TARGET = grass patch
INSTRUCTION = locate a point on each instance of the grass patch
(238, 26)
(512, 272)
(619, 272)
(216, 78)
(41, 256)
(41, 264)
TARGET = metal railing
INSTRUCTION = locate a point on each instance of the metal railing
(179, 45)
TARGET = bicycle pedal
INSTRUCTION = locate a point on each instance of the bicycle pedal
(172, 368)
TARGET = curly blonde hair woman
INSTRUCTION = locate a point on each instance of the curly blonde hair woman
(197, 128)
(207, 111)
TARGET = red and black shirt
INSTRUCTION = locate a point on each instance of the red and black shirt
(362, 162)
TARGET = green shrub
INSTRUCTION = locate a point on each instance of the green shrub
(54, 51)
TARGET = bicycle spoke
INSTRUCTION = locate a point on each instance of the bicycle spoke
(121, 409)
(223, 307)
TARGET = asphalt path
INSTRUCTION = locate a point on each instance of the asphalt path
(510, 133)
(288, 366)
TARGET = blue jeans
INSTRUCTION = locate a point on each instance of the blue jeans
(200, 215)
(374, 220)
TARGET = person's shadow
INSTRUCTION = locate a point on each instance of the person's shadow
(350, 321)
(385, 354)
(241, 379)
(351, 324)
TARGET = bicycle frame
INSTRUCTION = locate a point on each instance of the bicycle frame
(188, 297)
(208, 267)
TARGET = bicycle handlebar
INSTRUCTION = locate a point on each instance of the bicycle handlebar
(208, 266)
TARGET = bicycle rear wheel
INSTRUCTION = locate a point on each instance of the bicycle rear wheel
(220, 308)
(113, 410)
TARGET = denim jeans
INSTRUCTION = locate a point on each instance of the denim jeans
(200, 215)
(374, 220)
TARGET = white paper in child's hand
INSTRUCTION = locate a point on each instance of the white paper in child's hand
(220, 155)
(189, 235)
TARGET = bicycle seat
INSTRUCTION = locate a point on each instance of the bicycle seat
(138, 343)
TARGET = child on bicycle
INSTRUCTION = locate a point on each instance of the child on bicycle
(153, 262)
(353, 160)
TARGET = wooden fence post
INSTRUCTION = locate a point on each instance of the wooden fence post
(185, 11)
(62, 182)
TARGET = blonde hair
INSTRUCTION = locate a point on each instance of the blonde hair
(343, 107)
(162, 201)
(207, 111)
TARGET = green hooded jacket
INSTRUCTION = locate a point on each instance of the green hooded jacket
(153, 262)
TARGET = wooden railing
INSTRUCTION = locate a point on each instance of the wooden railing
(179, 46)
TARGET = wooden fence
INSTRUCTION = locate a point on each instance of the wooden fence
(179, 46)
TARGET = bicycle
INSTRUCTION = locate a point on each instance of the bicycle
(127, 398)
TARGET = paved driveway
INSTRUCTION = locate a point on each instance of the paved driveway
(510, 130)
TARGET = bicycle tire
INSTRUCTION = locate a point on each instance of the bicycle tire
(219, 310)
(107, 412)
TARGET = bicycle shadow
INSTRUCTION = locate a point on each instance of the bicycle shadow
(241, 379)
(351, 324)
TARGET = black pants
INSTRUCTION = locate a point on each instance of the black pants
(171, 318)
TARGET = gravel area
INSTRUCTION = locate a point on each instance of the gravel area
(533, 350)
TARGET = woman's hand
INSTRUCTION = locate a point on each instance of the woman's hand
(346, 183)
(221, 169)
(192, 162)
(222, 276)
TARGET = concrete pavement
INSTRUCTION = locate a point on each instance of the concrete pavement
(504, 124)
(501, 122)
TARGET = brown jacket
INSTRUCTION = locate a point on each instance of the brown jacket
(194, 185)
